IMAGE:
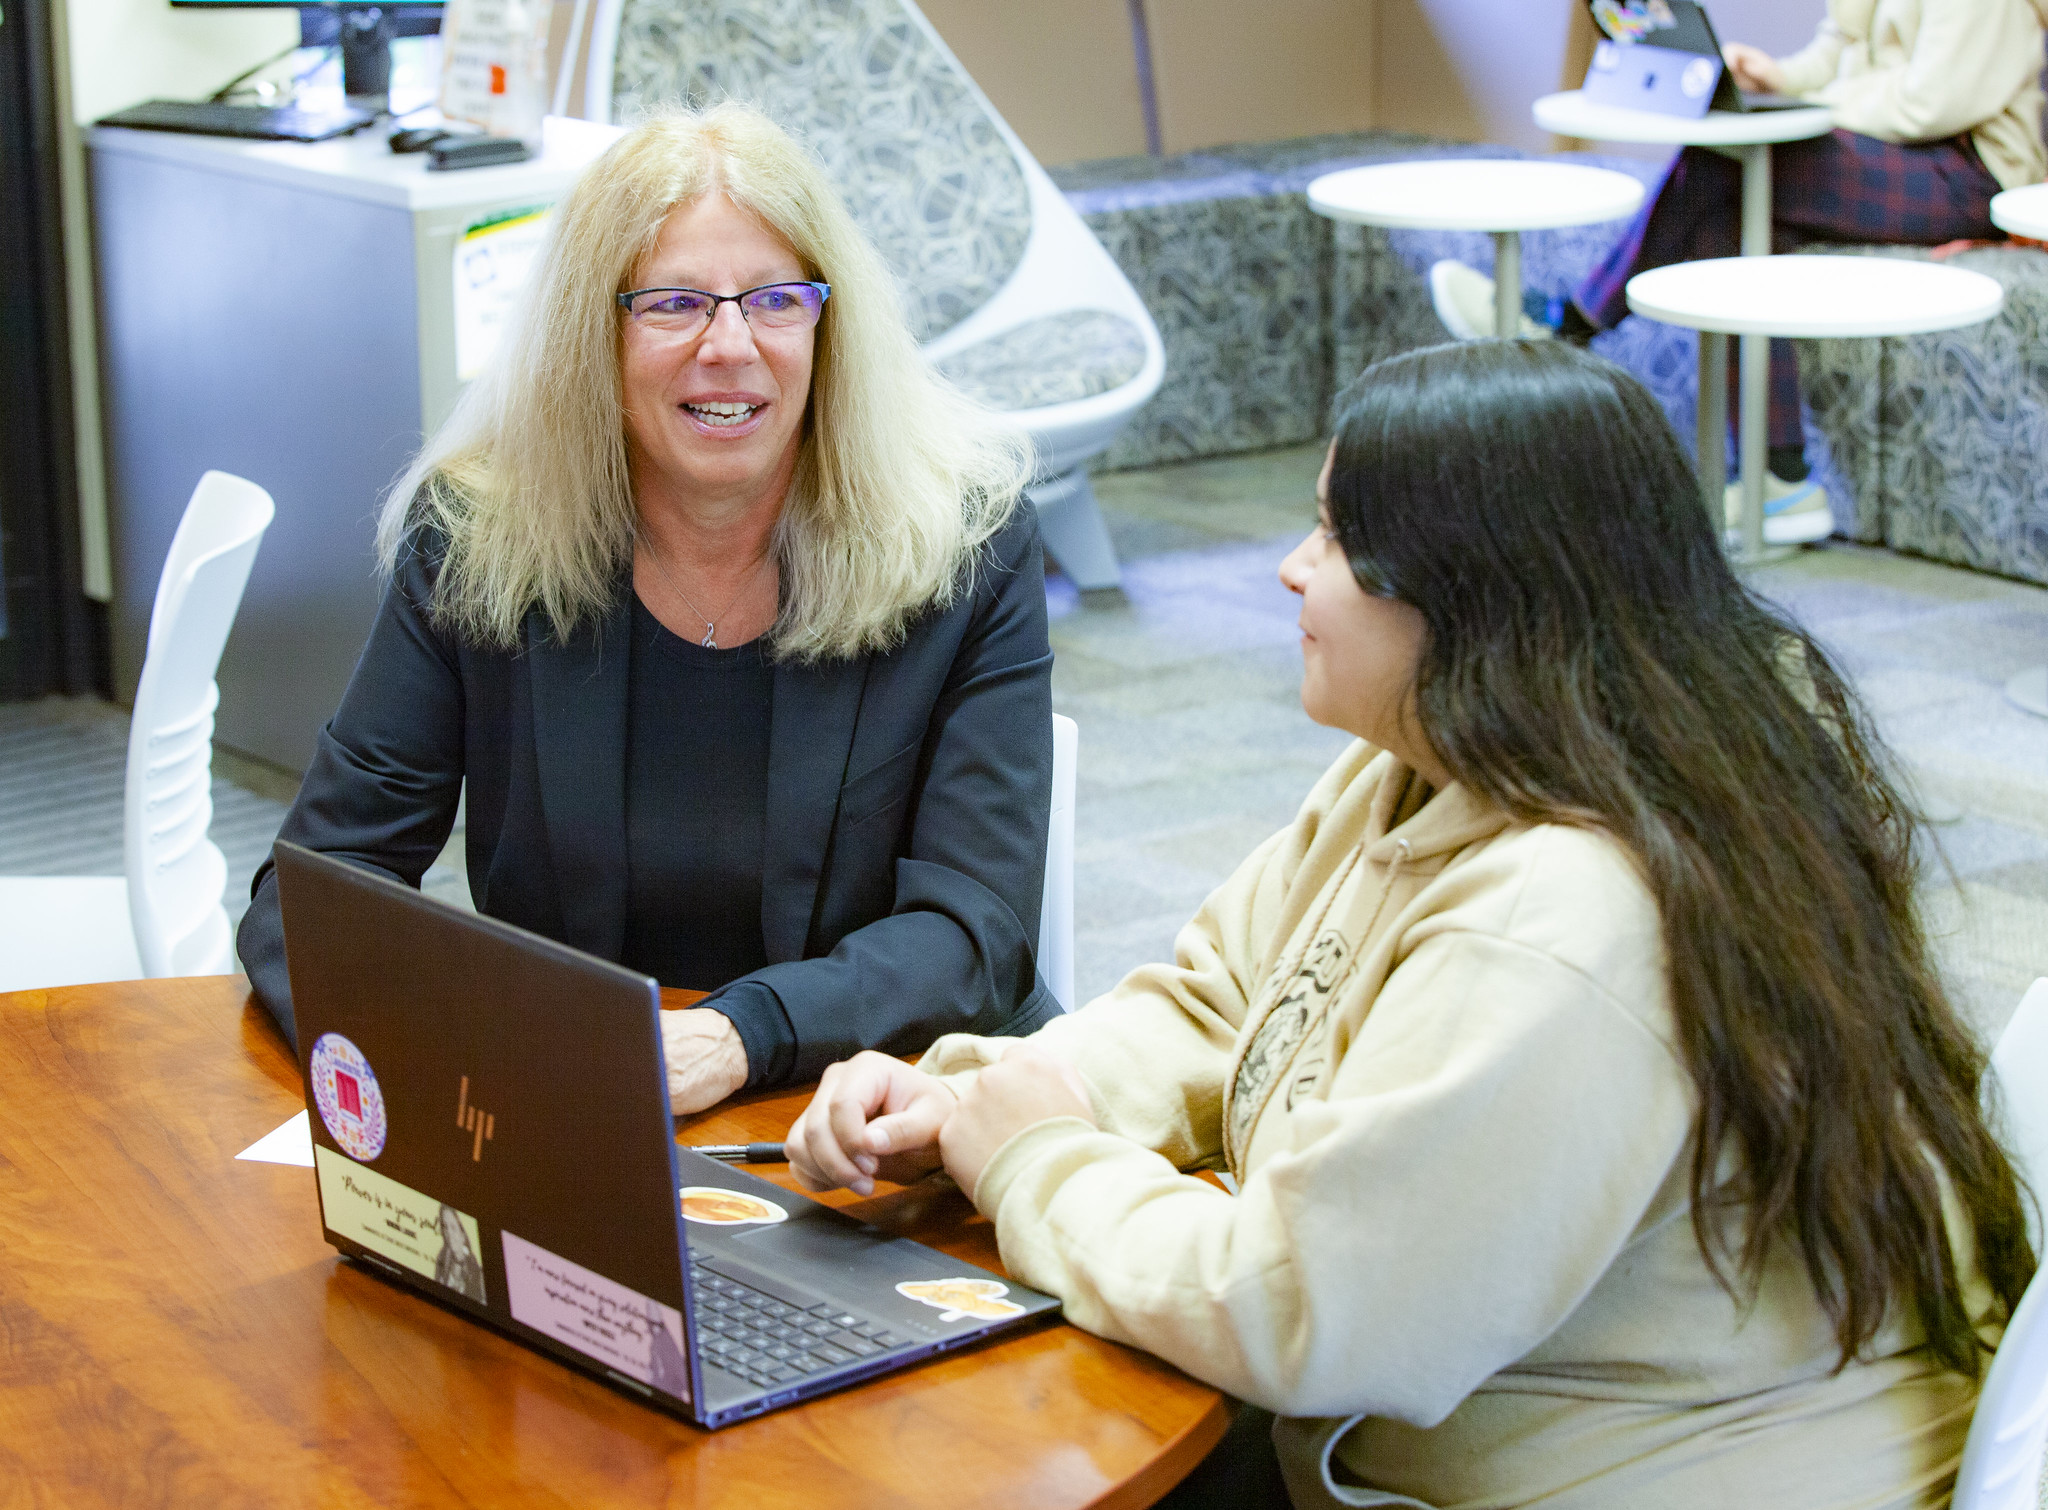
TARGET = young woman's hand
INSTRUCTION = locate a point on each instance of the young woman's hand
(873, 1117)
(1755, 70)
(1026, 1086)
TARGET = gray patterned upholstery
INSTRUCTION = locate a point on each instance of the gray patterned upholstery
(1940, 438)
(1236, 282)
(1054, 359)
(1267, 309)
(920, 161)
(1931, 444)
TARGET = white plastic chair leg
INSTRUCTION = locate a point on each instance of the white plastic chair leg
(1075, 535)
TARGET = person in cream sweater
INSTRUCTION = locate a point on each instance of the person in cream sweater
(1937, 107)
(1604, 1136)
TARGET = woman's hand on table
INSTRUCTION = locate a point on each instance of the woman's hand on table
(706, 1060)
(1026, 1086)
(873, 1117)
(1755, 70)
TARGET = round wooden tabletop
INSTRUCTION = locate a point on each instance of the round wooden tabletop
(178, 1331)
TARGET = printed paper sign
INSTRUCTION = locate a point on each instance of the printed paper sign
(346, 1092)
(492, 262)
(958, 1298)
(428, 1236)
(716, 1206)
(494, 65)
(621, 1328)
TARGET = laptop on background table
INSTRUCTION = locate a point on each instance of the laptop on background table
(1663, 56)
(491, 1127)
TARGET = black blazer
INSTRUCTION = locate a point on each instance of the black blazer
(907, 804)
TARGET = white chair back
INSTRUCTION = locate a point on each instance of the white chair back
(2001, 1467)
(175, 873)
(1056, 913)
(2019, 1074)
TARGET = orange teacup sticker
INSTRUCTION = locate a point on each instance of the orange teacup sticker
(727, 1208)
(963, 1297)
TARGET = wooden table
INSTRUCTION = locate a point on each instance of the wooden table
(174, 1331)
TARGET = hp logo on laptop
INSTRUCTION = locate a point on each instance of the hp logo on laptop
(473, 1120)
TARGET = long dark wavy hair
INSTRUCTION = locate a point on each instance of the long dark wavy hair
(1591, 660)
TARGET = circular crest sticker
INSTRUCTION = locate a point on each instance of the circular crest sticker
(1699, 76)
(346, 1092)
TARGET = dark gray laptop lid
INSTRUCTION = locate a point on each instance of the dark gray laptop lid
(507, 1093)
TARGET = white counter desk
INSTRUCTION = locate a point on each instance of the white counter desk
(289, 312)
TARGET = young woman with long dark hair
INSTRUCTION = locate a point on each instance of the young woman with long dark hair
(1606, 1137)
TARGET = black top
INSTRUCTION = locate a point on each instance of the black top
(696, 807)
(905, 818)
(697, 724)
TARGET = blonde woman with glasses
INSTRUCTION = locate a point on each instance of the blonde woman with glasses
(724, 613)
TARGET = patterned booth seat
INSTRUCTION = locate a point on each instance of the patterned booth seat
(1941, 440)
(1267, 309)
(1014, 301)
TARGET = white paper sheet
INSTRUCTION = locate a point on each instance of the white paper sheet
(291, 1143)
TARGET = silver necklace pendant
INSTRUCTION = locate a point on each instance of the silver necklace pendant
(710, 629)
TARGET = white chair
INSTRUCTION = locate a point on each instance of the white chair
(1056, 913)
(164, 917)
(1013, 297)
(2002, 1460)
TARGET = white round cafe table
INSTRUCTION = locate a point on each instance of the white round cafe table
(2024, 212)
(1811, 298)
(1747, 136)
(1501, 196)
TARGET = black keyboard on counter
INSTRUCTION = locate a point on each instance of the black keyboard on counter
(257, 122)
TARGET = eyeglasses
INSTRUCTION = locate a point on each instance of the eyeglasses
(690, 311)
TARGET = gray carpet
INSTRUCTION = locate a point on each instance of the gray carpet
(62, 765)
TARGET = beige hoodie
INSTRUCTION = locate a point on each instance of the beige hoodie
(1921, 70)
(1436, 1047)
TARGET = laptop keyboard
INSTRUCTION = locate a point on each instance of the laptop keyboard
(766, 1339)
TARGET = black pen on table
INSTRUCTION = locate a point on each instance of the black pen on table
(743, 1153)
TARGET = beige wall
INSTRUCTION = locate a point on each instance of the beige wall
(1468, 69)
(126, 51)
(1227, 71)
(1061, 71)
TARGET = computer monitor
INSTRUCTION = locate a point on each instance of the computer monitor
(363, 32)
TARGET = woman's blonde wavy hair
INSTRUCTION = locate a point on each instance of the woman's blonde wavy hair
(899, 481)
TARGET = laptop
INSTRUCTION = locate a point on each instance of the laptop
(491, 1128)
(1663, 56)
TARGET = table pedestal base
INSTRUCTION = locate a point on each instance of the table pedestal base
(1507, 284)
